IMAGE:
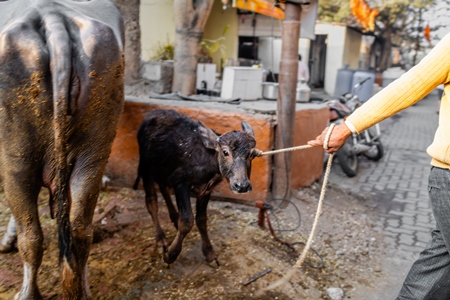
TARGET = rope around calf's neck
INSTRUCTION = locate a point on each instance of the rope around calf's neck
(260, 153)
(302, 257)
(325, 146)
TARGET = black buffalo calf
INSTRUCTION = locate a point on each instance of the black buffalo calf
(187, 157)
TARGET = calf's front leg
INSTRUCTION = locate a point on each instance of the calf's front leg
(185, 220)
(201, 220)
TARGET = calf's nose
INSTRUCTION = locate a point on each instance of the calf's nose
(243, 186)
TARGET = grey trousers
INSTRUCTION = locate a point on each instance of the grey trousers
(429, 277)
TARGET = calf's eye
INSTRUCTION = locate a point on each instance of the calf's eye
(225, 153)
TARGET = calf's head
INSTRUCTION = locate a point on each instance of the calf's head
(235, 152)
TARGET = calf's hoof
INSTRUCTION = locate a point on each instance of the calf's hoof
(212, 258)
(161, 242)
(212, 265)
(160, 250)
(170, 257)
(210, 255)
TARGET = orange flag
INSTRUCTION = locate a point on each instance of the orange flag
(426, 32)
(364, 14)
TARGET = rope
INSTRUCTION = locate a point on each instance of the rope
(325, 146)
(299, 262)
(302, 257)
(264, 207)
(260, 153)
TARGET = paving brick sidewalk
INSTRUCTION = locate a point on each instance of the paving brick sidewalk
(396, 186)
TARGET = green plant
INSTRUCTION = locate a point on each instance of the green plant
(163, 51)
(209, 47)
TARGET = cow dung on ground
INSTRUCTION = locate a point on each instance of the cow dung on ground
(125, 264)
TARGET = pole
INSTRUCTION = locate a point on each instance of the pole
(287, 79)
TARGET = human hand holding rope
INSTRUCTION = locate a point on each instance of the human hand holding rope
(336, 140)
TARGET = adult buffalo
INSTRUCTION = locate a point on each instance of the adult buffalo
(61, 94)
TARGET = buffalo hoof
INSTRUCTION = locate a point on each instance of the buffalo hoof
(8, 248)
(19, 297)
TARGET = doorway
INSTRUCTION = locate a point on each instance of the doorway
(317, 61)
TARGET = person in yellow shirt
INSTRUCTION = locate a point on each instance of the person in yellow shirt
(429, 277)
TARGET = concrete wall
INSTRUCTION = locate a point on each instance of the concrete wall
(265, 26)
(217, 21)
(268, 27)
(269, 52)
(157, 25)
(352, 49)
(335, 52)
(343, 47)
(307, 165)
(303, 49)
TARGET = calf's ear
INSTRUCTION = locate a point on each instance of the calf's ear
(247, 128)
(209, 138)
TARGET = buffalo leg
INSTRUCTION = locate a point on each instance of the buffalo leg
(85, 185)
(201, 220)
(10, 238)
(185, 221)
(21, 194)
(173, 213)
(151, 201)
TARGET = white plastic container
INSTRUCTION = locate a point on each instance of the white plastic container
(365, 91)
(303, 92)
(344, 81)
(242, 82)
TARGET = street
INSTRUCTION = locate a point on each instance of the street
(396, 188)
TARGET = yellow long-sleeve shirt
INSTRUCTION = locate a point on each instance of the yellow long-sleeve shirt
(419, 81)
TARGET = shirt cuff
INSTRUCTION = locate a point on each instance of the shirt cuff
(350, 126)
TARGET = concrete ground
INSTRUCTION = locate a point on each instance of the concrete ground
(396, 187)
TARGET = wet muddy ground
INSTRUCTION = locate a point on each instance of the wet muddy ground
(125, 263)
